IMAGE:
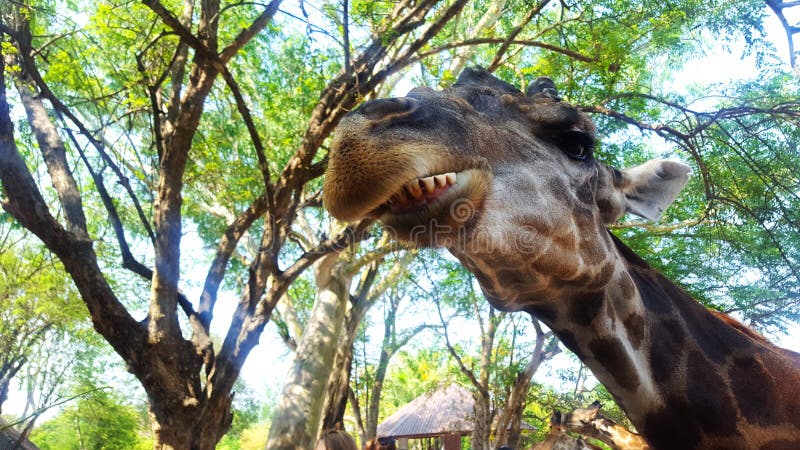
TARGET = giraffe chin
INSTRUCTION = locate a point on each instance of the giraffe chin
(434, 218)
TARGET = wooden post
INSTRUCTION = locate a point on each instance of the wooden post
(452, 442)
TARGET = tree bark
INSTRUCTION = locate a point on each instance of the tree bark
(367, 297)
(298, 416)
(339, 381)
(338, 389)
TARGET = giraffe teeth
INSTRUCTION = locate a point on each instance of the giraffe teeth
(422, 188)
(427, 184)
(414, 189)
(402, 196)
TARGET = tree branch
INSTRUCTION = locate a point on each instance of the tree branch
(128, 261)
(251, 31)
(183, 32)
(482, 41)
(25, 203)
(225, 248)
(178, 69)
(777, 7)
(511, 36)
(50, 143)
(464, 369)
(661, 228)
(659, 129)
(31, 70)
(350, 235)
(244, 111)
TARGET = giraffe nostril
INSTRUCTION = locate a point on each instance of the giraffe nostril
(388, 108)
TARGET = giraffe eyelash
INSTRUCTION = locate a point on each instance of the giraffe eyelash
(577, 144)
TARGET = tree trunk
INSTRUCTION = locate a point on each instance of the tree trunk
(298, 416)
(387, 350)
(484, 413)
(367, 295)
(510, 421)
(482, 429)
(339, 382)
(3, 392)
(182, 430)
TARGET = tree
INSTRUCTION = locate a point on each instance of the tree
(98, 419)
(164, 94)
(299, 414)
(316, 390)
(37, 304)
(509, 422)
(500, 378)
(366, 391)
(138, 146)
(53, 362)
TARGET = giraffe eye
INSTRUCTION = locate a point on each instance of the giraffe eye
(577, 144)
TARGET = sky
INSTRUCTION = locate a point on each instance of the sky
(265, 368)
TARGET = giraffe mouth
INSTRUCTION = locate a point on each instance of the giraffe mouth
(408, 188)
(420, 193)
(433, 203)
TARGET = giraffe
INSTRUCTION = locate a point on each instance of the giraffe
(558, 439)
(589, 422)
(507, 182)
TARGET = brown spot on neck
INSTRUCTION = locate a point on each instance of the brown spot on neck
(756, 392)
(634, 326)
(583, 309)
(611, 354)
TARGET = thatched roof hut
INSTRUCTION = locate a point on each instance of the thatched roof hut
(446, 413)
(10, 439)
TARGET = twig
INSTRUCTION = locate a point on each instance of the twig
(41, 410)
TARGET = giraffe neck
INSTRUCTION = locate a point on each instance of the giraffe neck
(685, 377)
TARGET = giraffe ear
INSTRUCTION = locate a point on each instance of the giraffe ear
(650, 188)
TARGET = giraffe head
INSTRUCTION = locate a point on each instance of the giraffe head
(584, 420)
(558, 439)
(589, 422)
(506, 181)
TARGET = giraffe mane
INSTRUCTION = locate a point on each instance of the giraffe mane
(645, 268)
